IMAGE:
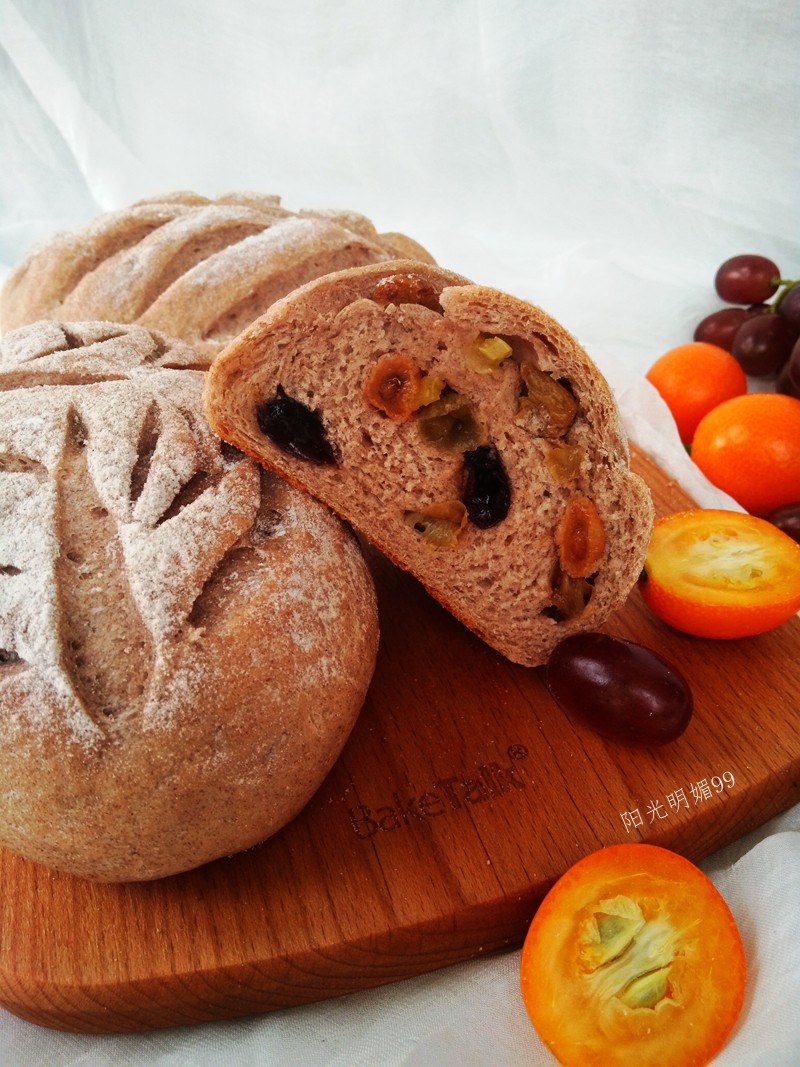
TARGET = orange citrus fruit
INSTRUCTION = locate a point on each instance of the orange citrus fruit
(694, 378)
(633, 957)
(722, 574)
(750, 448)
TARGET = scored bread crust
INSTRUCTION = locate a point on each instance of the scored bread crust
(185, 639)
(197, 269)
(321, 344)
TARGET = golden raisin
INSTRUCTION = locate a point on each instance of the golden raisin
(546, 407)
(580, 537)
(393, 385)
(564, 463)
(441, 523)
(570, 596)
(449, 424)
(406, 289)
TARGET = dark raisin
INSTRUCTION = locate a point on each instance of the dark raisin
(295, 428)
(487, 490)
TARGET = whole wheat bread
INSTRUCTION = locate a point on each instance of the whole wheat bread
(197, 269)
(185, 639)
(460, 430)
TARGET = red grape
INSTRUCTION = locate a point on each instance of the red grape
(793, 363)
(788, 305)
(763, 343)
(787, 518)
(786, 383)
(619, 689)
(719, 328)
(747, 279)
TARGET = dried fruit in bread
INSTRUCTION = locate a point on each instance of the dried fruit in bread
(461, 430)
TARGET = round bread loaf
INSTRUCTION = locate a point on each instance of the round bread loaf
(185, 639)
(461, 430)
(197, 269)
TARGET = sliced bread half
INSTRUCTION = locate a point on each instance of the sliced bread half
(460, 430)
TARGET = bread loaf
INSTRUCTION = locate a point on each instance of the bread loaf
(197, 269)
(185, 639)
(461, 430)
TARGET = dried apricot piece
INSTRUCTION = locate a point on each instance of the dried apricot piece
(580, 537)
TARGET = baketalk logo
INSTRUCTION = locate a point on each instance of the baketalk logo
(486, 783)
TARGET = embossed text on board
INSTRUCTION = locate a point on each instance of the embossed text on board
(489, 781)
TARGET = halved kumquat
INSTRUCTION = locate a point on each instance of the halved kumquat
(721, 574)
(633, 958)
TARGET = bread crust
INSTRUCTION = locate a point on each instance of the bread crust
(197, 269)
(321, 344)
(186, 639)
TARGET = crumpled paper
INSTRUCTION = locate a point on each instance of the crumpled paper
(597, 158)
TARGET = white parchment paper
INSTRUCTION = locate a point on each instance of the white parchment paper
(598, 157)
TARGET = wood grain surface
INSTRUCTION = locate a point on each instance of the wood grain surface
(462, 794)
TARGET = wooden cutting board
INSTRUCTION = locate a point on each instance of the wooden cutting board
(462, 794)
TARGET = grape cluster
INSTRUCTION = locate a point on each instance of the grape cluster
(762, 327)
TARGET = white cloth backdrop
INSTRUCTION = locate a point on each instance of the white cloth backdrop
(599, 157)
